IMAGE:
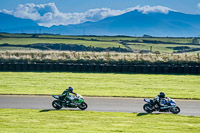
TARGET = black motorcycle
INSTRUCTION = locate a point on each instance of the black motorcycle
(169, 106)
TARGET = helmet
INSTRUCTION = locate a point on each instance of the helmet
(70, 89)
(162, 95)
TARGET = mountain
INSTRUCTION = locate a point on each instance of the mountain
(9, 23)
(134, 23)
(137, 23)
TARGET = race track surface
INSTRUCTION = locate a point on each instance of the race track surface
(104, 104)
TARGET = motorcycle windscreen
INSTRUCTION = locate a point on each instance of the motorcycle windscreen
(147, 100)
(56, 96)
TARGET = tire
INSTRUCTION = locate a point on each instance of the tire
(57, 104)
(82, 106)
(147, 108)
(175, 110)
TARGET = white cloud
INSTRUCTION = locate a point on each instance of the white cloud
(6, 11)
(198, 5)
(147, 9)
(48, 14)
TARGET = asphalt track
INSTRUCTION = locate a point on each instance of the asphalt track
(104, 104)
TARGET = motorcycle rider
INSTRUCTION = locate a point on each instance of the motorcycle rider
(66, 95)
(158, 100)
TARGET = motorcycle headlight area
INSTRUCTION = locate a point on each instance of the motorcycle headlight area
(173, 104)
(172, 101)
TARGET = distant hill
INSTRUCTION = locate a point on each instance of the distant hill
(132, 23)
(10, 23)
(137, 23)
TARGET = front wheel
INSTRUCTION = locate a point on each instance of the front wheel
(147, 108)
(175, 110)
(82, 106)
(57, 104)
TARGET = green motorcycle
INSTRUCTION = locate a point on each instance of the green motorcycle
(76, 102)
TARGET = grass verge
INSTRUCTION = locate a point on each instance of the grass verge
(101, 84)
(26, 120)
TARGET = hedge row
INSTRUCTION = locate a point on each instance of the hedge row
(52, 67)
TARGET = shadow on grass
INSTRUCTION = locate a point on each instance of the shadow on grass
(48, 110)
(142, 114)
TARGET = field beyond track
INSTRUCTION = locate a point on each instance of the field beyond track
(101, 84)
(140, 44)
(50, 121)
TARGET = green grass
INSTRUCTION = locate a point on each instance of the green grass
(163, 48)
(15, 35)
(106, 38)
(102, 38)
(170, 39)
(101, 84)
(116, 38)
(155, 47)
(99, 41)
(16, 48)
(32, 121)
(25, 41)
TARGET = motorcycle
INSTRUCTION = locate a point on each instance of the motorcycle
(169, 106)
(76, 102)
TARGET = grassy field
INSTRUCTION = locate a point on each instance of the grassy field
(163, 45)
(106, 38)
(23, 41)
(117, 38)
(51, 121)
(15, 35)
(101, 84)
(162, 48)
(3, 49)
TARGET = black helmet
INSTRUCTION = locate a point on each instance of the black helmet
(162, 95)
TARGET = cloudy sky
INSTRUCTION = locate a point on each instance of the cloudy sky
(65, 12)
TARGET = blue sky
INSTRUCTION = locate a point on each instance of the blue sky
(185, 6)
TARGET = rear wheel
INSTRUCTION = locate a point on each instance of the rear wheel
(57, 104)
(82, 106)
(147, 108)
(175, 110)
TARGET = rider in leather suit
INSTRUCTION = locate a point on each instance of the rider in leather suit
(157, 101)
(66, 95)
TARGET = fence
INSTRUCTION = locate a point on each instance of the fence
(59, 67)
